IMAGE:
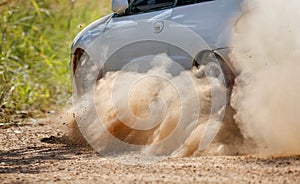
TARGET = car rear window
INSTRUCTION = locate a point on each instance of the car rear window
(148, 5)
(186, 2)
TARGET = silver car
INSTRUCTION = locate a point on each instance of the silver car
(190, 32)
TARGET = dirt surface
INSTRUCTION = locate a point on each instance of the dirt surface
(36, 153)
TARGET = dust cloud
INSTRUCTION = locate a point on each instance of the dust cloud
(266, 52)
(161, 114)
(158, 113)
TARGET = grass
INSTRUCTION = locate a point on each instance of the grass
(35, 39)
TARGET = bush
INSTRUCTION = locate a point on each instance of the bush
(35, 39)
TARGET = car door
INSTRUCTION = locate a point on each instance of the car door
(137, 33)
(210, 19)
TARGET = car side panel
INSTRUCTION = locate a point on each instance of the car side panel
(212, 20)
(128, 37)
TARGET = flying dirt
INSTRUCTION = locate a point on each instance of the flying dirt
(159, 113)
(266, 51)
(193, 114)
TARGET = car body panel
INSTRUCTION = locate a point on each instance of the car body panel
(89, 33)
(113, 41)
(212, 20)
(128, 38)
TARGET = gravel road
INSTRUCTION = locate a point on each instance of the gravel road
(24, 158)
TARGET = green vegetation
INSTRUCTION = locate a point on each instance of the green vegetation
(35, 39)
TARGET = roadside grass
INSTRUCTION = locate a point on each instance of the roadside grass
(35, 39)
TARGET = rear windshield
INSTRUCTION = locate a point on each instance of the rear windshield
(186, 2)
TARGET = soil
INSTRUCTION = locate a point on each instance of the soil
(39, 153)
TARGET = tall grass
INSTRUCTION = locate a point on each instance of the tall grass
(35, 39)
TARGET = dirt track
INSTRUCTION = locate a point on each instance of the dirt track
(25, 159)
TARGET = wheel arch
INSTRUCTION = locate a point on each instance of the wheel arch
(200, 59)
(78, 53)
